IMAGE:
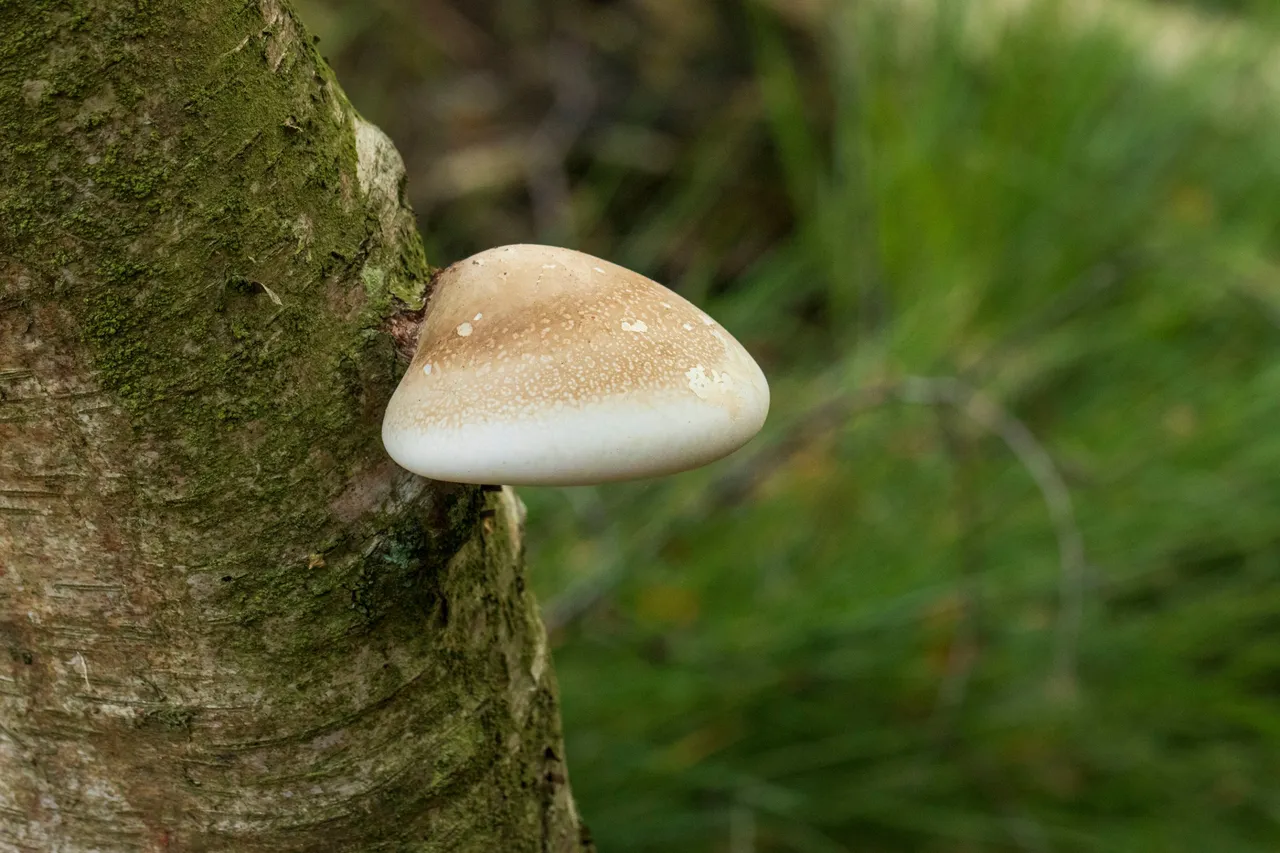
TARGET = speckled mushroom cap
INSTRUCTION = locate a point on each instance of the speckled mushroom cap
(544, 366)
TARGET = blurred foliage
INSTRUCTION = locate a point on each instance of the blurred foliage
(1016, 291)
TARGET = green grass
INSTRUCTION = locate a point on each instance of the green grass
(866, 650)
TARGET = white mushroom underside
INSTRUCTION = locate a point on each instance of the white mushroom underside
(619, 439)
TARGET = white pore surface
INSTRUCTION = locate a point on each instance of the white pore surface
(569, 446)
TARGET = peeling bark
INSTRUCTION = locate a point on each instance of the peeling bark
(227, 622)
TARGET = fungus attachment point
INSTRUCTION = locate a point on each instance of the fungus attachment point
(581, 372)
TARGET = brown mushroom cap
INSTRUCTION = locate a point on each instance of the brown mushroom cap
(538, 365)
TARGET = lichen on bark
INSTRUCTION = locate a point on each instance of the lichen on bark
(226, 621)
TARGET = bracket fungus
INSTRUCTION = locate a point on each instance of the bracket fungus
(539, 365)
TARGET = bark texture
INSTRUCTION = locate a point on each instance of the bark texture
(227, 622)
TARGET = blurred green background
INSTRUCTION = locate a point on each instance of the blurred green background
(1001, 571)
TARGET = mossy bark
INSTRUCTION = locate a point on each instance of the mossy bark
(227, 622)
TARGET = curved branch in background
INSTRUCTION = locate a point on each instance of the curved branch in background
(988, 414)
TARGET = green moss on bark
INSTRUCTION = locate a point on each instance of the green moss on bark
(185, 182)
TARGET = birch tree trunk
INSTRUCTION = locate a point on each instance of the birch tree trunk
(227, 621)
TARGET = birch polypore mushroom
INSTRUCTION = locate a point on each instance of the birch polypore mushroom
(544, 366)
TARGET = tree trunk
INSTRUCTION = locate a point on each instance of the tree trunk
(227, 621)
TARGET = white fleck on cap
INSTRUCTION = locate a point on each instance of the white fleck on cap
(552, 367)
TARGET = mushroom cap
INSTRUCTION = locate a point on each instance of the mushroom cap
(538, 365)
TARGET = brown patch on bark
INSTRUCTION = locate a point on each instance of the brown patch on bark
(404, 327)
(367, 491)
